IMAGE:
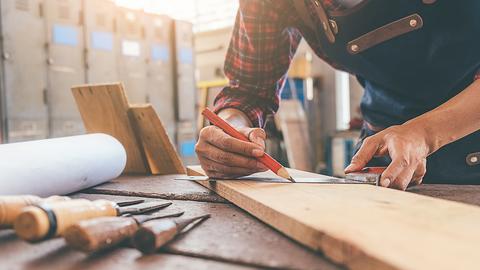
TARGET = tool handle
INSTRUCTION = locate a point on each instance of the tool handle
(266, 159)
(152, 235)
(100, 233)
(11, 206)
(51, 219)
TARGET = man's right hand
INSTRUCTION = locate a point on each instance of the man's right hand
(223, 156)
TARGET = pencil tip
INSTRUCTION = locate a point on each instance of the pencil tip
(284, 173)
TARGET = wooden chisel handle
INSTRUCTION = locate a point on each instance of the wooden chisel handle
(47, 220)
(11, 206)
(100, 233)
(154, 234)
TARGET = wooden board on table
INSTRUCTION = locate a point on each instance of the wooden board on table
(159, 150)
(104, 109)
(363, 226)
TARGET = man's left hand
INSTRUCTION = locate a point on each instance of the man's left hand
(407, 147)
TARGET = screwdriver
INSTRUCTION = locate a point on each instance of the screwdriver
(48, 220)
(105, 232)
(154, 234)
(11, 206)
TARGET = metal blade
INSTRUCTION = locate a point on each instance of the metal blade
(304, 180)
(143, 208)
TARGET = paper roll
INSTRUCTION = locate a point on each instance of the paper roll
(60, 166)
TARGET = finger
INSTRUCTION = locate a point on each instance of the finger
(400, 166)
(223, 141)
(255, 135)
(230, 159)
(419, 173)
(366, 152)
(403, 179)
(217, 170)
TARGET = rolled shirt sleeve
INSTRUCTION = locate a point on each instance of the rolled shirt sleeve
(261, 49)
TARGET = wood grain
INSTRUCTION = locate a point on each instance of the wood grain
(100, 233)
(362, 226)
(33, 223)
(159, 151)
(104, 109)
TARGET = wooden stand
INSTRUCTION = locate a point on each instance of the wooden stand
(105, 109)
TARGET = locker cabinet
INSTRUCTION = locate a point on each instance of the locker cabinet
(185, 71)
(66, 66)
(100, 41)
(24, 70)
(131, 57)
(160, 88)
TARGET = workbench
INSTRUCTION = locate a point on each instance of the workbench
(230, 239)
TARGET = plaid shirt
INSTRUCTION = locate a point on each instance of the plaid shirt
(264, 40)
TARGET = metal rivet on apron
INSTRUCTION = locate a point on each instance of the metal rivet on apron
(354, 48)
(473, 159)
(334, 26)
(413, 23)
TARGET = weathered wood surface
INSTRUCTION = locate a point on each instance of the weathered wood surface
(362, 226)
(104, 109)
(460, 193)
(54, 254)
(162, 187)
(232, 235)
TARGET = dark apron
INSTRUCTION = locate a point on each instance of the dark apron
(410, 57)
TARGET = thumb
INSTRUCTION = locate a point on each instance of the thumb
(366, 152)
(255, 135)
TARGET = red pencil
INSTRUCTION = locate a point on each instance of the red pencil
(266, 159)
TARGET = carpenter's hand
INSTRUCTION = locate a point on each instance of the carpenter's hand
(408, 150)
(223, 156)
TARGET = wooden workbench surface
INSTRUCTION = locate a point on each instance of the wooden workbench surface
(231, 239)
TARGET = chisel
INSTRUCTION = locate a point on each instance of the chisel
(48, 220)
(11, 206)
(152, 235)
(105, 232)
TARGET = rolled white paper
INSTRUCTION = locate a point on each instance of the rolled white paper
(60, 166)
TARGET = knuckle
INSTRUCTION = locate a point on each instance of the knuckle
(403, 162)
(251, 163)
(199, 148)
(226, 143)
(368, 140)
(204, 133)
(225, 158)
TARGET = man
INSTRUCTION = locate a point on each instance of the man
(417, 60)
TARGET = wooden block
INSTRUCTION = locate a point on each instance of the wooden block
(104, 109)
(159, 150)
(363, 226)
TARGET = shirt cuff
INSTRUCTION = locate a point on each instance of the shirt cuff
(254, 111)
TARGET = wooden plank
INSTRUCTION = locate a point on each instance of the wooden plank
(362, 226)
(232, 235)
(162, 187)
(54, 254)
(292, 121)
(104, 109)
(159, 151)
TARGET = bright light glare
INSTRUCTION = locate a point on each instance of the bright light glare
(204, 14)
